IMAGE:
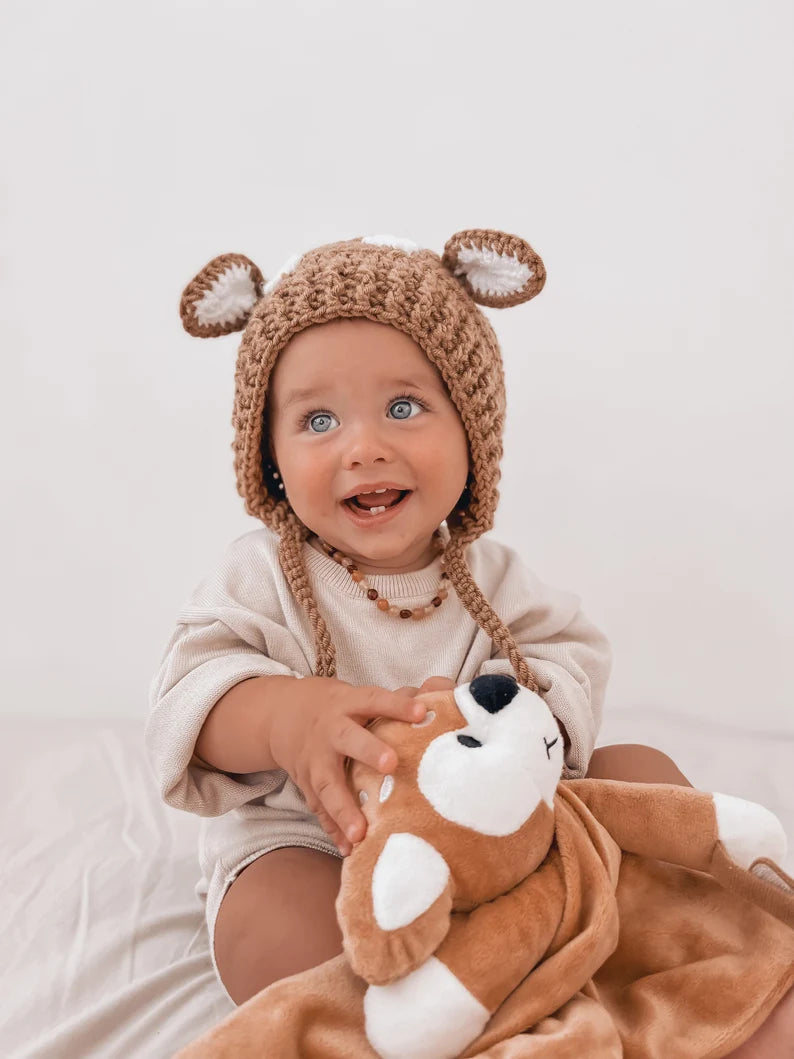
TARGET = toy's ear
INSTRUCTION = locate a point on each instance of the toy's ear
(496, 269)
(219, 299)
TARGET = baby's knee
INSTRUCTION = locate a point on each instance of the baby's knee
(773, 1039)
(635, 763)
(278, 918)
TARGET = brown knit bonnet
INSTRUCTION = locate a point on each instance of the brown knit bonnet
(392, 281)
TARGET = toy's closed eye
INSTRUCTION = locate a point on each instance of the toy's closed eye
(549, 745)
(468, 740)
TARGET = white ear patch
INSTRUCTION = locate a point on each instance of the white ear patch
(392, 240)
(490, 272)
(286, 268)
(230, 297)
(409, 876)
(497, 269)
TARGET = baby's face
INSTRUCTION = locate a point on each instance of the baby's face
(378, 411)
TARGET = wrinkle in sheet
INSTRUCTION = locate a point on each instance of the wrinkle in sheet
(75, 958)
(150, 1018)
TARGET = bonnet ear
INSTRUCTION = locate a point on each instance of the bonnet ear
(219, 299)
(496, 269)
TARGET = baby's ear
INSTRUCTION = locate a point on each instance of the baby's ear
(219, 299)
(496, 269)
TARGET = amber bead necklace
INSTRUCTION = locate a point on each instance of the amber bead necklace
(417, 613)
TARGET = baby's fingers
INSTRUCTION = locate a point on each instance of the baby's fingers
(361, 744)
(377, 702)
(338, 803)
(333, 831)
(407, 689)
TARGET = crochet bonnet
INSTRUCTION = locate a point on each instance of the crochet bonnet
(433, 300)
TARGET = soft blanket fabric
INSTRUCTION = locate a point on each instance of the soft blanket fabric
(494, 910)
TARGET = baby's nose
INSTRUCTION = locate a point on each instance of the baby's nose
(367, 444)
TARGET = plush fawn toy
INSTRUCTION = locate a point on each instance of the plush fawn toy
(494, 910)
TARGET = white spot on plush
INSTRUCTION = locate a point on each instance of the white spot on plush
(429, 1014)
(429, 717)
(386, 788)
(230, 297)
(286, 268)
(748, 831)
(392, 240)
(490, 272)
(408, 877)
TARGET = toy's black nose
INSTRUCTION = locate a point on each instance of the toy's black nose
(493, 691)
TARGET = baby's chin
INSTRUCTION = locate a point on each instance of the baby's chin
(382, 556)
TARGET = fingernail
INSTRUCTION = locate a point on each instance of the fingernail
(352, 833)
(419, 711)
(384, 761)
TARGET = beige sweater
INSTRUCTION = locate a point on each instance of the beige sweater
(242, 622)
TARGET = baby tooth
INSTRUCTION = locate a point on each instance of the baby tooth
(376, 510)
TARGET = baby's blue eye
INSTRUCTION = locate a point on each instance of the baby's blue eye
(321, 417)
(405, 407)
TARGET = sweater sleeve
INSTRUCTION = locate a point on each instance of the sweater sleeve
(230, 629)
(570, 656)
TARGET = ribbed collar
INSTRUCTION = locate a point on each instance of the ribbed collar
(392, 586)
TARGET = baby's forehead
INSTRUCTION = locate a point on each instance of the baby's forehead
(356, 351)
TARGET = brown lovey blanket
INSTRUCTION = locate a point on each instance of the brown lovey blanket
(495, 910)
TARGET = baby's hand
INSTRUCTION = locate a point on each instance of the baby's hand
(326, 723)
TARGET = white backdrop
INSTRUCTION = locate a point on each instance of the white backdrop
(645, 150)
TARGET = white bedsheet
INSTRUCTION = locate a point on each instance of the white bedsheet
(104, 944)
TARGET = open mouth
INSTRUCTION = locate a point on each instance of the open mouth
(373, 512)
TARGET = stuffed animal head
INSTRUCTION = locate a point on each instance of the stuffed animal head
(472, 795)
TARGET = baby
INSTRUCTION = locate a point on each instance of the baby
(368, 417)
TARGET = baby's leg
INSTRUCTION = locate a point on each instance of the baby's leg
(774, 1039)
(277, 918)
(634, 763)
